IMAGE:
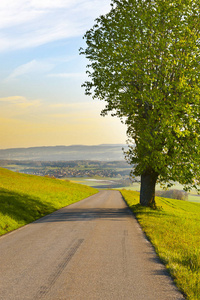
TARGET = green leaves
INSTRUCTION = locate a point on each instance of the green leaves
(144, 62)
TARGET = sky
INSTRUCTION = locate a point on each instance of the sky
(42, 102)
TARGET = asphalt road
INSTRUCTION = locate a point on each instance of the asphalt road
(93, 249)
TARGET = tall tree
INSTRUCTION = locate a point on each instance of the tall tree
(144, 62)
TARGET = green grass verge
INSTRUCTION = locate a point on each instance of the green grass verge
(174, 230)
(25, 198)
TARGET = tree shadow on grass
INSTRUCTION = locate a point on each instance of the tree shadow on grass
(138, 209)
(22, 208)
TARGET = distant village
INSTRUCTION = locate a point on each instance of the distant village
(74, 172)
(118, 169)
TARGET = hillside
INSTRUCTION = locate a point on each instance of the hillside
(66, 153)
(25, 198)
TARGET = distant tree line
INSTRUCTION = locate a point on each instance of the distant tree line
(173, 194)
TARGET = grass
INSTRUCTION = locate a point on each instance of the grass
(25, 198)
(174, 230)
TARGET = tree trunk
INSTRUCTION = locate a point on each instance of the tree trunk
(147, 189)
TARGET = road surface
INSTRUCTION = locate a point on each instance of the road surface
(93, 249)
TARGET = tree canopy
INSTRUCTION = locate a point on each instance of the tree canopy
(144, 62)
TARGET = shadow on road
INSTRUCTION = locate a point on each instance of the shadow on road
(86, 214)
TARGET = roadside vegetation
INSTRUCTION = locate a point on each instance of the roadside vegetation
(173, 229)
(25, 198)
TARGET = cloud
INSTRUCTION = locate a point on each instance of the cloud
(31, 23)
(19, 102)
(13, 99)
(33, 66)
(51, 4)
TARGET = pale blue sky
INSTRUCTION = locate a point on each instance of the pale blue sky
(41, 101)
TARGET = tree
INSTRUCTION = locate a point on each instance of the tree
(144, 62)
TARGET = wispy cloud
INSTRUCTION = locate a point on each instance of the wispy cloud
(13, 99)
(33, 66)
(30, 23)
(19, 101)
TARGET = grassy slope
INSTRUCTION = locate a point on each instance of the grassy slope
(174, 230)
(25, 198)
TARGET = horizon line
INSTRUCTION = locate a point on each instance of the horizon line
(73, 145)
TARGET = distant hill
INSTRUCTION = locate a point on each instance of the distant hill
(104, 152)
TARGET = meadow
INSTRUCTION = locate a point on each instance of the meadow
(173, 229)
(25, 198)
